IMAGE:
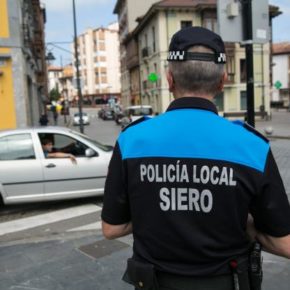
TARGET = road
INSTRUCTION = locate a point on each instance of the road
(72, 215)
(58, 245)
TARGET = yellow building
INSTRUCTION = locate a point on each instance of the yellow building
(23, 80)
(7, 106)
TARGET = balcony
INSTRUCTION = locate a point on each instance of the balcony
(146, 51)
(230, 78)
(132, 62)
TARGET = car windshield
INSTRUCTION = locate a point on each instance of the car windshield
(106, 148)
(140, 111)
(78, 114)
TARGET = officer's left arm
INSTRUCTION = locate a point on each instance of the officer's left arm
(116, 231)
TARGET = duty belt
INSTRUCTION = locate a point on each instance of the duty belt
(177, 282)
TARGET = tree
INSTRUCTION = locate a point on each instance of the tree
(54, 94)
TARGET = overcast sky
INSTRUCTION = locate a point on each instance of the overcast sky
(96, 13)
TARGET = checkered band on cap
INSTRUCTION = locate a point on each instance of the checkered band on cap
(222, 58)
(176, 55)
(219, 58)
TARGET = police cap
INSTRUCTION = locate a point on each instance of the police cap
(191, 36)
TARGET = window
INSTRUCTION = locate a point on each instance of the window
(66, 144)
(209, 20)
(230, 65)
(219, 101)
(184, 24)
(243, 71)
(210, 23)
(2, 62)
(16, 147)
(243, 100)
(145, 40)
(153, 37)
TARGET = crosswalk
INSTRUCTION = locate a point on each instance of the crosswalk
(77, 218)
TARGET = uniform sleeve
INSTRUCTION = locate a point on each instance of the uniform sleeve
(270, 207)
(116, 208)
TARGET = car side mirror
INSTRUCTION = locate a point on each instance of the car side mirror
(90, 153)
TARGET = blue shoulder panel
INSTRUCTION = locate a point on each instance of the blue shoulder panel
(187, 133)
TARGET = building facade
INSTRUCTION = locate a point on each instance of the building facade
(99, 59)
(66, 83)
(152, 37)
(54, 73)
(23, 79)
(128, 13)
(281, 73)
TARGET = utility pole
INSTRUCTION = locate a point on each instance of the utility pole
(80, 97)
(248, 36)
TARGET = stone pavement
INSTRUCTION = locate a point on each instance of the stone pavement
(280, 123)
(280, 142)
(91, 263)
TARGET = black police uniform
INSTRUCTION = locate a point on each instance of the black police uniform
(187, 180)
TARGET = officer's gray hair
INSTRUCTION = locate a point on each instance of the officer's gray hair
(199, 77)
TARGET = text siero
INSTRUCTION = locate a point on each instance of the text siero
(185, 199)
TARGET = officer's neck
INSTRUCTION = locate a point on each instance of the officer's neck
(192, 94)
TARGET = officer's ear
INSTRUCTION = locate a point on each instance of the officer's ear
(222, 81)
(170, 80)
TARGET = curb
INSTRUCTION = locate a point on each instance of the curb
(277, 137)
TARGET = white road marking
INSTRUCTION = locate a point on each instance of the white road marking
(43, 219)
(89, 227)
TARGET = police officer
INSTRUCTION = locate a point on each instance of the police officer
(185, 181)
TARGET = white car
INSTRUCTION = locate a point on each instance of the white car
(76, 119)
(26, 175)
(134, 113)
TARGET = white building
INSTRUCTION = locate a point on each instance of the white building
(53, 74)
(99, 59)
(281, 72)
(153, 35)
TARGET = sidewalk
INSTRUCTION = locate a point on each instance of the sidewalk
(280, 123)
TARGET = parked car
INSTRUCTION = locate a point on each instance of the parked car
(134, 113)
(26, 175)
(76, 119)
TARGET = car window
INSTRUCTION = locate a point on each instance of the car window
(103, 147)
(66, 144)
(16, 147)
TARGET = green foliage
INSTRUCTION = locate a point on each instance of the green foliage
(54, 95)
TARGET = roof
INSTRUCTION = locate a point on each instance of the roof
(281, 48)
(54, 68)
(117, 6)
(171, 4)
(185, 3)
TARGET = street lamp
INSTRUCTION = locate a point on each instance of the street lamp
(49, 57)
(80, 97)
